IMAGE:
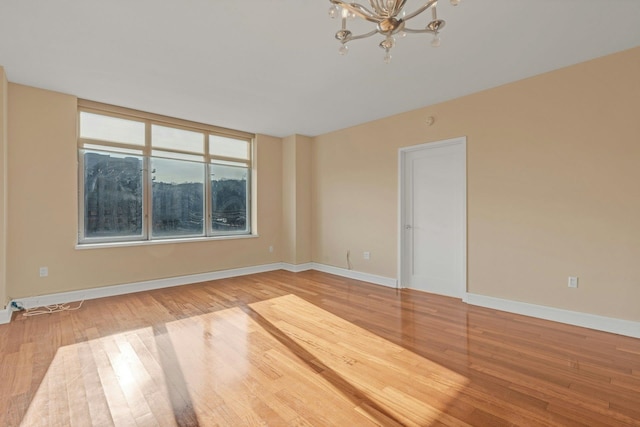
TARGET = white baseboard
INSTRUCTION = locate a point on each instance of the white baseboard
(356, 275)
(297, 268)
(5, 315)
(607, 324)
(107, 291)
(351, 274)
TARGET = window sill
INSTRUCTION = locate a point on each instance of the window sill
(83, 246)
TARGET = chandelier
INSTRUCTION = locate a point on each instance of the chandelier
(389, 17)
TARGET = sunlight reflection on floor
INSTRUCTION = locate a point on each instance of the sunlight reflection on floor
(390, 379)
(282, 361)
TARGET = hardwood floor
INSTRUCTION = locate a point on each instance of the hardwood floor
(309, 349)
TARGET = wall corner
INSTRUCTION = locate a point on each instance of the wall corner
(3, 186)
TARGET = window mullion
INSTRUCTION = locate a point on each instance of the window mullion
(81, 198)
(246, 162)
(98, 142)
(148, 183)
(208, 230)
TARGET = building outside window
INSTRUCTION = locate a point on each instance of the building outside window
(145, 177)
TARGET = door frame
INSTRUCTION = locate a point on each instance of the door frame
(402, 201)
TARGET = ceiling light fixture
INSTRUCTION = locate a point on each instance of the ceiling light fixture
(390, 18)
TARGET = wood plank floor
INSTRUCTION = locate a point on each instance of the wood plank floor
(309, 349)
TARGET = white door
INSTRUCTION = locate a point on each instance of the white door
(433, 217)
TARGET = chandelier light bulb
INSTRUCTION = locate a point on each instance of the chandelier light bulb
(333, 11)
(387, 57)
(402, 34)
(436, 41)
(343, 50)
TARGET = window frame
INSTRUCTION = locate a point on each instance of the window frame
(146, 153)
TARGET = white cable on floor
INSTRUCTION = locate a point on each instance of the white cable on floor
(48, 309)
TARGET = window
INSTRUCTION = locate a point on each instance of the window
(147, 177)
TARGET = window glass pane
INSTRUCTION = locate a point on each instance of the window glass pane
(177, 198)
(229, 201)
(228, 147)
(176, 139)
(112, 195)
(114, 129)
(178, 156)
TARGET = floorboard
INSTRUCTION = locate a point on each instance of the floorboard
(309, 349)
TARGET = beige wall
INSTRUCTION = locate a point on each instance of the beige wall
(552, 191)
(43, 210)
(553, 187)
(289, 199)
(296, 184)
(3, 188)
(303, 199)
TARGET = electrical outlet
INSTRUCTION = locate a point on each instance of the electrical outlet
(44, 271)
(366, 255)
(573, 281)
(270, 248)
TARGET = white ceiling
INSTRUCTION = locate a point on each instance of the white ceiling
(271, 66)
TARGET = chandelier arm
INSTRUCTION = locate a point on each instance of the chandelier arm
(400, 6)
(362, 36)
(359, 10)
(425, 30)
(417, 12)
